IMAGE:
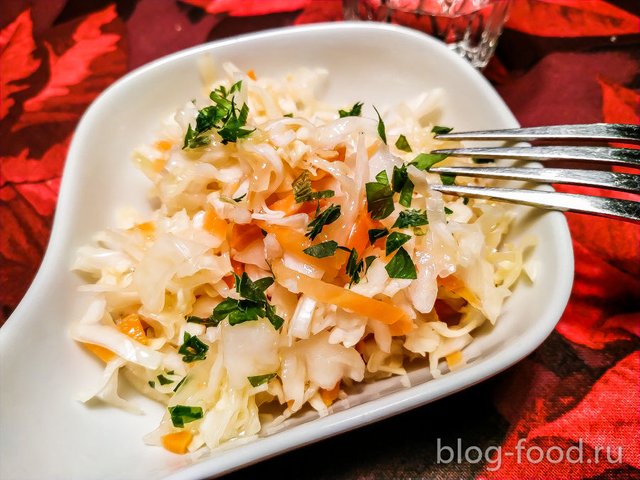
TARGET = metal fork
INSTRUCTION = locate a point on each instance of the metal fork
(604, 206)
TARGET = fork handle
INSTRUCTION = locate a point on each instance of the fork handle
(603, 132)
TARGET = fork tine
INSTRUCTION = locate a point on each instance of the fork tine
(608, 155)
(593, 178)
(604, 132)
(602, 206)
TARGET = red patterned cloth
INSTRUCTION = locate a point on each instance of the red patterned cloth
(559, 61)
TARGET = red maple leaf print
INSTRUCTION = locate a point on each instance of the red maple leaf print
(571, 18)
(17, 61)
(249, 8)
(608, 416)
(78, 73)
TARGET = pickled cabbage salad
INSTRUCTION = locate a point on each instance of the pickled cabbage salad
(296, 249)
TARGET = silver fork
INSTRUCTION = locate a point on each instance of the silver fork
(590, 155)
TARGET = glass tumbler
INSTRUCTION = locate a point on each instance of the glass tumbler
(469, 27)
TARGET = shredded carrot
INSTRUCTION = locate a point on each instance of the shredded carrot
(457, 286)
(330, 396)
(148, 229)
(157, 164)
(359, 236)
(102, 353)
(244, 235)
(454, 358)
(330, 294)
(163, 145)
(132, 327)
(215, 225)
(177, 442)
(252, 75)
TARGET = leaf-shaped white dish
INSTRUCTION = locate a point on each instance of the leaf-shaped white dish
(46, 433)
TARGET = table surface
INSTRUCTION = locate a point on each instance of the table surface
(558, 61)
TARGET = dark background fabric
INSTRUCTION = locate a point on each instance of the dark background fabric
(558, 61)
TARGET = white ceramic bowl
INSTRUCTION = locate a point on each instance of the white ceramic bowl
(46, 433)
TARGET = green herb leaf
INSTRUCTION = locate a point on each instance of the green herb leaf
(448, 179)
(398, 178)
(465, 201)
(406, 194)
(179, 384)
(395, 240)
(192, 139)
(438, 130)
(382, 177)
(192, 349)
(411, 218)
(327, 217)
(402, 183)
(355, 111)
(368, 261)
(152, 384)
(425, 161)
(403, 144)
(258, 380)
(211, 321)
(275, 319)
(483, 160)
(224, 309)
(238, 199)
(354, 267)
(247, 311)
(288, 115)
(233, 123)
(322, 250)
(181, 414)
(448, 211)
(252, 290)
(302, 191)
(379, 200)
(381, 129)
(164, 380)
(376, 233)
(401, 266)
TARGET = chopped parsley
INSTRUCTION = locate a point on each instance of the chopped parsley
(425, 161)
(224, 116)
(438, 130)
(356, 267)
(288, 115)
(258, 380)
(381, 129)
(395, 240)
(401, 266)
(448, 179)
(210, 321)
(411, 218)
(465, 200)
(328, 216)
(164, 380)
(302, 191)
(377, 233)
(379, 200)
(152, 384)
(382, 177)
(239, 199)
(322, 250)
(402, 184)
(181, 414)
(448, 211)
(403, 144)
(192, 349)
(251, 306)
(355, 111)
(179, 384)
